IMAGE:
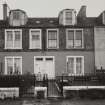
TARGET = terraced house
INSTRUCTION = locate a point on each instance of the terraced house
(70, 45)
(53, 46)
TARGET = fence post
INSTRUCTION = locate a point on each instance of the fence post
(1, 68)
(62, 84)
(34, 80)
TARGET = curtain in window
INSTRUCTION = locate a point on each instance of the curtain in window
(75, 65)
(17, 66)
(78, 38)
(52, 39)
(13, 39)
(70, 39)
(13, 65)
(9, 66)
(35, 39)
(70, 65)
(9, 39)
(78, 65)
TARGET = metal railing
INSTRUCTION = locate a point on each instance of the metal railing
(25, 83)
(89, 79)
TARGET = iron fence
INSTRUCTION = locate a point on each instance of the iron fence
(26, 83)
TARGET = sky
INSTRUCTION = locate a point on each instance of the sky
(51, 8)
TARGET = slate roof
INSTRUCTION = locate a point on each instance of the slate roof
(42, 22)
(54, 22)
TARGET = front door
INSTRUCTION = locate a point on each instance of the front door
(44, 65)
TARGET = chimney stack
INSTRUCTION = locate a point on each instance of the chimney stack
(4, 11)
(82, 12)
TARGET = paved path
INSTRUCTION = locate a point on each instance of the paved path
(53, 102)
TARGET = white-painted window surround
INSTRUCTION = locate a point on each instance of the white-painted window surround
(13, 39)
(52, 38)
(75, 65)
(74, 38)
(13, 65)
(35, 39)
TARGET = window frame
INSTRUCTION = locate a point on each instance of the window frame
(65, 21)
(13, 30)
(74, 19)
(13, 57)
(57, 38)
(74, 57)
(74, 47)
(30, 37)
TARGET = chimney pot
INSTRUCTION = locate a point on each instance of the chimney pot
(82, 12)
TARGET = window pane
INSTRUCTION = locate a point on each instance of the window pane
(39, 59)
(17, 40)
(17, 35)
(35, 37)
(71, 35)
(9, 41)
(17, 65)
(35, 44)
(78, 38)
(52, 44)
(68, 17)
(52, 35)
(78, 65)
(9, 66)
(35, 32)
(16, 15)
(70, 65)
(70, 42)
(9, 36)
(78, 35)
(49, 59)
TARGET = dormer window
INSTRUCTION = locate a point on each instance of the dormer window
(67, 17)
(17, 17)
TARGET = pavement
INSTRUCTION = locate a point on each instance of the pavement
(53, 102)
